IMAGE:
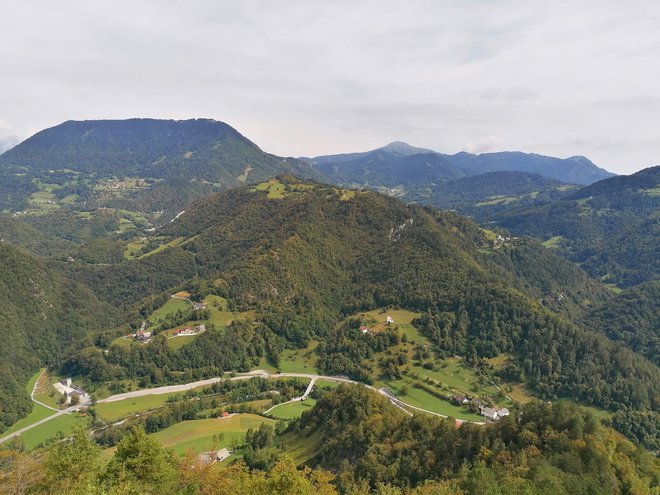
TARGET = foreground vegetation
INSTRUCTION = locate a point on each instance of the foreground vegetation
(355, 443)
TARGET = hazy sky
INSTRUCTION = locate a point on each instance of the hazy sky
(318, 77)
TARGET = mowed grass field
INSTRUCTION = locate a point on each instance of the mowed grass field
(376, 320)
(294, 361)
(63, 424)
(45, 392)
(38, 412)
(293, 409)
(113, 411)
(169, 308)
(420, 398)
(198, 434)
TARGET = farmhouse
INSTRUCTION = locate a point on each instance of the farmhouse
(493, 413)
(69, 390)
(182, 332)
(488, 412)
(199, 305)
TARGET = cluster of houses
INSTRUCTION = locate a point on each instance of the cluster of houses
(199, 306)
(183, 332)
(69, 390)
(493, 413)
(142, 335)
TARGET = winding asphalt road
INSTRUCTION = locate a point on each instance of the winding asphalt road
(169, 389)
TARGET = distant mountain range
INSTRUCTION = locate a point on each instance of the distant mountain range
(401, 164)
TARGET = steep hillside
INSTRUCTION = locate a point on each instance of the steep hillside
(19, 233)
(366, 168)
(485, 194)
(44, 318)
(305, 257)
(612, 227)
(173, 162)
(632, 318)
(543, 448)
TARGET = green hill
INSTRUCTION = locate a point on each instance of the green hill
(44, 318)
(169, 163)
(633, 318)
(306, 256)
(480, 196)
(541, 448)
(611, 227)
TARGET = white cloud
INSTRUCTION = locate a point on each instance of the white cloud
(304, 78)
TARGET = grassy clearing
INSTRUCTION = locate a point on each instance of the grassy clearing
(456, 378)
(293, 409)
(300, 360)
(498, 200)
(113, 411)
(489, 234)
(553, 242)
(420, 398)
(38, 413)
(301, 448)
(655, 191)
(179, 342)
(63, 424)
(614, 288)
(221, 317)
(45, 392)
(326, 384)
(277, 190)
(376, 320)
(274, 187)
(198, 434)
(518, 393)
(162, 247)
(169, 308)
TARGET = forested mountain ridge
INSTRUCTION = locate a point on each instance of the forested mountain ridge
(44, 317)
(306, 256)
(483, 195)
(611, 227)
(376, 166)
(170, 162)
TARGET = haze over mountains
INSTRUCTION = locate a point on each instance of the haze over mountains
(399, 163)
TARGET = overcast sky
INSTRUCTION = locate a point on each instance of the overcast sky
(320, 77)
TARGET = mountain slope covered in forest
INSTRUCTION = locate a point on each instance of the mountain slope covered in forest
(305, 256)
(45, 318)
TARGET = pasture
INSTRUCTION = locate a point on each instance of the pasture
(114, 411)
(198, 434)
(293, 409)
